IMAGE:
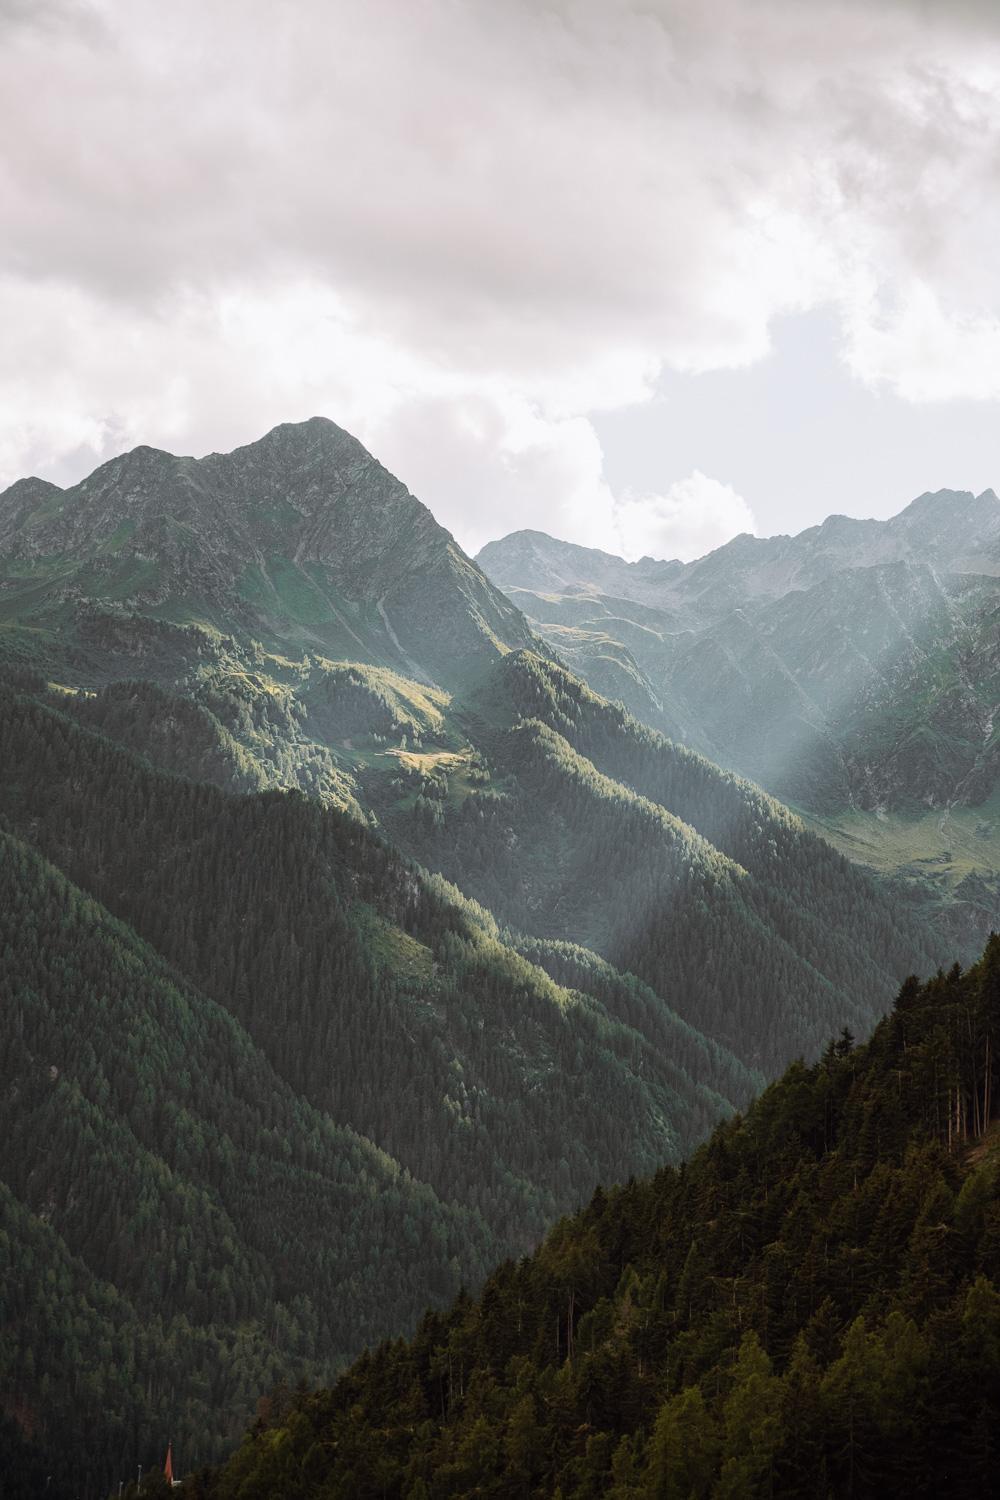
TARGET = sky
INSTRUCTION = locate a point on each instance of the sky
(640, 273)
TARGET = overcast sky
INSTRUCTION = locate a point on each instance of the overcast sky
(640, 274)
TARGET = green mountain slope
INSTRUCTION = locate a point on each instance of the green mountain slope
(758, 933)
(499, 1072)
(510, 942)
(193, 1230)
(810, 1306)
(381, 995)
(381, 1094)
(519, 789)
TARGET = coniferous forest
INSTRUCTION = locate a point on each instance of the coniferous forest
(499, 980)
(810, 1305)
(338, 976)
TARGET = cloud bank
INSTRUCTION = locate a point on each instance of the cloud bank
(461, 229)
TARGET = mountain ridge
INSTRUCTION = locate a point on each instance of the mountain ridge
(928, 520)
(773, 655)
(302, 536)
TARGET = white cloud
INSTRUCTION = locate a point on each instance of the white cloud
(485, 458)
(695, 515)
(488, 463)
(926, 352)
(461, 228)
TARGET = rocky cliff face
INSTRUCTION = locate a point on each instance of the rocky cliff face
(302, 536)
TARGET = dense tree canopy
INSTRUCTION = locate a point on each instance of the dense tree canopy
(290, 1089)
(313, 1089)
(809, 1306)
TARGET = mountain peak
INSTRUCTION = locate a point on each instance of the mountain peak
(29, 485)
(24, 499)
(310, 433)
(537, 561)
(932, 501)
(301, 535)
(955, 524)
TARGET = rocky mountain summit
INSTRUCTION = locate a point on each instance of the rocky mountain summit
(301, 537)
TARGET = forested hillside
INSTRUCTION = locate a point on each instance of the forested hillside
(323, 942)
(180, 1228)
(486, 1077)
(346, 1096)
(711, 893)
(519, 788)
(809, 1306)
(348, 939)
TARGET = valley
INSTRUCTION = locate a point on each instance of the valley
(411, 948)
(853, 671)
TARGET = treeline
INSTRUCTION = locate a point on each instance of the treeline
(351, 700)
(229, 725)
(809, 1307)
(173, 732)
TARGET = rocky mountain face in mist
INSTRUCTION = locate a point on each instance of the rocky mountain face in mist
(854, 665)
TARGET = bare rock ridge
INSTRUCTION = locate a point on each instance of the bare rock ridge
(303, 536)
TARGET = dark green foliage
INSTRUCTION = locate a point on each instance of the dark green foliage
(347, 700)
(809, 1307)
(304, 1089)
(179, 1227)
(711, 893)
(172, 731)
(178, 1153)
(380, 995)
(227, 724)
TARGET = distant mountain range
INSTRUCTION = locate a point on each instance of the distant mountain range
(853, 670)
(955, 530)
(512, 941)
